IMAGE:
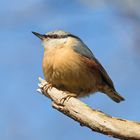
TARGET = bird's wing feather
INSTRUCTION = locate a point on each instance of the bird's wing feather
(83, 50)
(93, 63)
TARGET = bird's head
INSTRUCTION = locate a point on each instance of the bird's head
(55, 38)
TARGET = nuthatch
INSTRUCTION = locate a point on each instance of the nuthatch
(69, 65)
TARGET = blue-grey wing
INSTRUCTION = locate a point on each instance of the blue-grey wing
(82, 49)
(92, 62)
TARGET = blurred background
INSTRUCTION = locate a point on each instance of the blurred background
(111, 29)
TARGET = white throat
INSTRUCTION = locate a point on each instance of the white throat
(54, 42)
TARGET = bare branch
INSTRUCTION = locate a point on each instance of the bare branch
(93, 119)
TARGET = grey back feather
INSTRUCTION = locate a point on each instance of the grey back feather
(82, 49)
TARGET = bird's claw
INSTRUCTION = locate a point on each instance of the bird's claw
(67, 97)
(44, 86)
(47, 87)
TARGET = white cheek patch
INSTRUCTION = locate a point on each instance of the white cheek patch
(53, 42)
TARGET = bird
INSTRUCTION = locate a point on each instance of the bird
(69, 65)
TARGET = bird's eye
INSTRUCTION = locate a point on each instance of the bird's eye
(45, 36)
(55, 36)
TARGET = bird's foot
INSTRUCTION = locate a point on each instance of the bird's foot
(44, 87)
(47, 87)
(67, 97)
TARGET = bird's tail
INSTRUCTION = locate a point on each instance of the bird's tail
(115, 96)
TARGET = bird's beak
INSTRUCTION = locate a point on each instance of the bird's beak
(39, 35)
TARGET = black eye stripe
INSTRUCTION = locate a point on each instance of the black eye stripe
(56, 36)
(60, 36)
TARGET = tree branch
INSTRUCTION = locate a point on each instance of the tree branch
(93, 119)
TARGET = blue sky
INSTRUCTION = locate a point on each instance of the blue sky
(26, 114)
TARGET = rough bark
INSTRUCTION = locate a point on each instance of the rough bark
(93, 119)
